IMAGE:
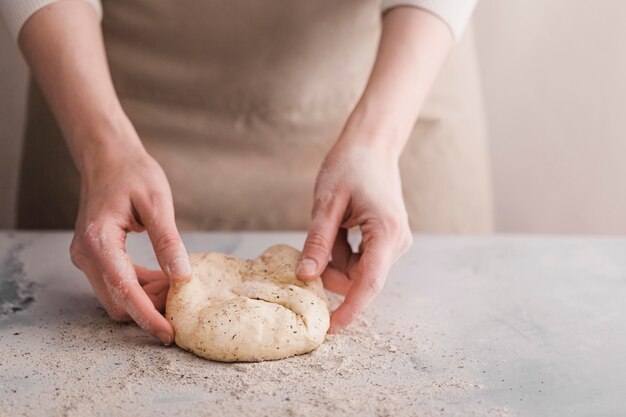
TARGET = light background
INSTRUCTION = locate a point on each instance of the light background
(554, 81)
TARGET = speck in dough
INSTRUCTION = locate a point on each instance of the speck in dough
(237, 310)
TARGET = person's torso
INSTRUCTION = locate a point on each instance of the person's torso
(239, 102)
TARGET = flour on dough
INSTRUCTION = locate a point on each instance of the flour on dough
(247, 310)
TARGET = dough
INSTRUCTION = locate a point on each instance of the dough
(239, 310)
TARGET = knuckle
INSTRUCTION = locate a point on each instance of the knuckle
(393, 226)
(120, 291)
(327, 202)
(320, 203)
(396, 228)
(151, 205)
(93, 237)
(317, 241)
(156, 198)
(168, 240)
(376, 284)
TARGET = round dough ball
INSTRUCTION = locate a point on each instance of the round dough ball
(240, 310)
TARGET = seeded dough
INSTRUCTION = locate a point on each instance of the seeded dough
(235, 310)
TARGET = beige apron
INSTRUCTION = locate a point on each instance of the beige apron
(239, 101)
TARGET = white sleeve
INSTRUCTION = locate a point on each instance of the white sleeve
(16, 12)
(456, 13)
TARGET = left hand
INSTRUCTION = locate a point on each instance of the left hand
(357, 185)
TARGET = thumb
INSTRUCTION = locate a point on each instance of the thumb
(170, 252)
(326, 220)
(166, 241)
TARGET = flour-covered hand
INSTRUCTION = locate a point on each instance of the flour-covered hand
(357, 186)
(120, 195)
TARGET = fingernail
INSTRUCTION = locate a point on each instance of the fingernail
(306, 267)
(164, 337)
(179, 268)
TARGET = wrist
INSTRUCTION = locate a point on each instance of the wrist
(375, 125)
(104, 141)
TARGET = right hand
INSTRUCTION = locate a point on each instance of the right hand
(119, 195)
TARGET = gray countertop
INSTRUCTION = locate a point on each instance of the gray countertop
(529, 326)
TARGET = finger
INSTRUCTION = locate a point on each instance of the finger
(159, 300)
(102, 293)
(88, 267)
(156, 287)
(371, 273)
(335, 276)
(157, 216)
(327, 217)
(107, 245)
(143, 310)
(145, 276)
(342, 251)
(336, 281)
(155, 284)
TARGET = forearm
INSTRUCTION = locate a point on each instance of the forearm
(413, 46)
(63, 45)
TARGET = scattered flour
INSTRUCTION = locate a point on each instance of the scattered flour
(91, 366)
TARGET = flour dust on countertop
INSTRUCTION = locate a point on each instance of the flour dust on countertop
(91, 366)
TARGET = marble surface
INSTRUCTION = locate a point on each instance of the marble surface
(528, 326)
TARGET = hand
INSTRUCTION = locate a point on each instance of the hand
(119, 195)
(357, 186)
(359, 182)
